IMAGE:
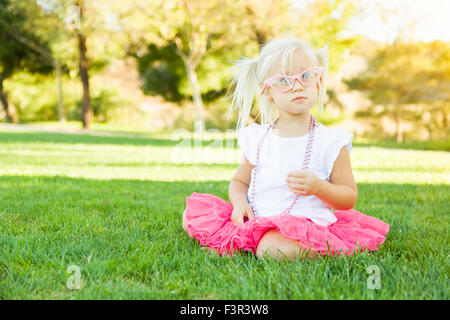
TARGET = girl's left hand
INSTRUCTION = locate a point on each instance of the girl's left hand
(303, 182)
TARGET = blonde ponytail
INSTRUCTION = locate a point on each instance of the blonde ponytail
(245, 83)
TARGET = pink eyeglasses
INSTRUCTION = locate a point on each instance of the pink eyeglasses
(285, 83)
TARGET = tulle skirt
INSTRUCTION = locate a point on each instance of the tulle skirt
(208, 220)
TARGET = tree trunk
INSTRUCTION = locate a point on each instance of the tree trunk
(261, 38)
(444, 125)
(398, 129)
(429, 129)
(193, 80)
(86, 108)
(61, 116)
(10, 110)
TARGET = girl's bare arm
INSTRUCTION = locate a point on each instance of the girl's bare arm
(237, 191)
(341, 193)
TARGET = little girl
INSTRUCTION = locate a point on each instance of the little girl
(294, 170)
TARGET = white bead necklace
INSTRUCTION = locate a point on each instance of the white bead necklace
(312, 125)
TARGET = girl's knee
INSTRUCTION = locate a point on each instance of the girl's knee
(274, 244)
(183, 221)
(269, 244)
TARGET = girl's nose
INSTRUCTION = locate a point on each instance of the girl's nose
(297, 85)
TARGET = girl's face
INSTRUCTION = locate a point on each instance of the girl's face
(285, 100)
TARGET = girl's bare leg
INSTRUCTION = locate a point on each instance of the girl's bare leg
(274, 244)
(183, 222)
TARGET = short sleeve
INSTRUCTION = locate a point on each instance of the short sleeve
(339, 138)
(247, 141)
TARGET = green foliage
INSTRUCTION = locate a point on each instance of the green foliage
(36, 96)
(14, 54)
(161, 70)
(32, 105)
(407, 73)
(238, 31)
(409, 81)
(104, 104)
(323, 23)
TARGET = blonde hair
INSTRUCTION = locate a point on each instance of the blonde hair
(250, 73)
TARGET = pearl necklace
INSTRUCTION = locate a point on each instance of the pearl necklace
(312, 125)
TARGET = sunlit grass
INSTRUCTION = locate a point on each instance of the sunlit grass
(112, 206)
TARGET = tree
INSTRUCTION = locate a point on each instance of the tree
(195, 28)
(81, 35)
(409, 82)
(269, 19)
(161, 71)
(324, 22)
(15, 53)
(81, 25)
(44, 28)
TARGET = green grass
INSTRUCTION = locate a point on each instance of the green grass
(112, 205)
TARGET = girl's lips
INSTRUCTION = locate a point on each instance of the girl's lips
(299, 99)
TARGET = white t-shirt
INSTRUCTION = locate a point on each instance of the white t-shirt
(281, 155)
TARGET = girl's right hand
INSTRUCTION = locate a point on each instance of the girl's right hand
(240, 211)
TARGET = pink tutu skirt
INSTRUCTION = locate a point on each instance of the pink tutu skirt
(208, 220)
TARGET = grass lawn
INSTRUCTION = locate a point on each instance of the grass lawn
(112, 206)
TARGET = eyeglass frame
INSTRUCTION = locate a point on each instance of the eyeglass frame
(268, 82)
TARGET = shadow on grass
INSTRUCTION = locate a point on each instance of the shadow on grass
(441, 145)
(72, 138)
(100, 138)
